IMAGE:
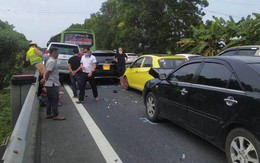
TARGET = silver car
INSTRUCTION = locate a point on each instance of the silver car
(131, 57)
(65, 52)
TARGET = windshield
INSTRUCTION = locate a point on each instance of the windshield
(132, 54)
(64, 49)
(78, 39)
(169, 63)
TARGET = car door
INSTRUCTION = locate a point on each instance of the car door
(142, 73)
(213, 100)
(173, 93)
(131, 73)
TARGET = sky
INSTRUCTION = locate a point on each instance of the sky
(38, 20)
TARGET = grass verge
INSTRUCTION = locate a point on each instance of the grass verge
(5, 116)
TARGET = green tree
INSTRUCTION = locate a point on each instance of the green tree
(214, 36)
(146, 26)
(13, 46)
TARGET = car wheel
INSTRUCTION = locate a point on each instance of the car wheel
(151, 107)
(242, 146)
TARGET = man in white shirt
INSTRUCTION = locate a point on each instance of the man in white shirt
(88, 66)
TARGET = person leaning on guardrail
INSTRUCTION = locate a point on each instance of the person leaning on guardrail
(34, 55)
(52, 85)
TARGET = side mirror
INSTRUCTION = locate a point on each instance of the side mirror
(162, 77)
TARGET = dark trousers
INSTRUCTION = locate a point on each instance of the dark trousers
(52, 100)
(74, 80)
(92, 82)
(40, 86)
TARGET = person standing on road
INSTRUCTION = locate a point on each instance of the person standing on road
(75, 71)
(120, 58)
(52, 85)
(88, 66)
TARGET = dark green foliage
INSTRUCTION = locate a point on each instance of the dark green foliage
(13, 46)
(214, 36)
(5, 117)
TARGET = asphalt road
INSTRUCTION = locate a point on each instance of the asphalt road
(120, 115)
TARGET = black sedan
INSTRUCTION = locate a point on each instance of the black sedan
(106, 67)
(217, 98)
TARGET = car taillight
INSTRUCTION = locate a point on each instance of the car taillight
(46, 51)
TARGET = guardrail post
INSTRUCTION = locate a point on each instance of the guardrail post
(19, 90)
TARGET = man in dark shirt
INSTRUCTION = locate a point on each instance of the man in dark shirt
(75, 71)
(121, 63)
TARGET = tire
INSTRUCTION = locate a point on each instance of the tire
(242, 146)
(151, 107)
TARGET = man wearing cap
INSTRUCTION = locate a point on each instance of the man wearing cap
(52, 85)
(34, 55)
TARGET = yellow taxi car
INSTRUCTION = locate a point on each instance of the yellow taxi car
(137, 74)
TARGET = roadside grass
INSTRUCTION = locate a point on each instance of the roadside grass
(5, 116)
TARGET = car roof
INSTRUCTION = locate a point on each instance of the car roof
(243, 47)
(103, 51)
(233, 59)
(59, 43)
(187, 55)
(163, 56)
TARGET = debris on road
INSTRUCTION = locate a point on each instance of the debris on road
(182, 157)
(51, 152)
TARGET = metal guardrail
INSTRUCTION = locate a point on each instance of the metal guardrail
(22, 145)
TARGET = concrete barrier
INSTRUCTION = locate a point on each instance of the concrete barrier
(22, 146)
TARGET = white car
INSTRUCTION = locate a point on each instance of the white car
(65, 52)
(188, 56)
(131, 57)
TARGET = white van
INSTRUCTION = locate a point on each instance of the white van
(65, 52)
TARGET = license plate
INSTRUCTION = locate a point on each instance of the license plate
(62, 62)
(106, 67)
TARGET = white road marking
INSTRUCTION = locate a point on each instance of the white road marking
(104, 146)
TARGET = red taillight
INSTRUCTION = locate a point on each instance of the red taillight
(46, 52)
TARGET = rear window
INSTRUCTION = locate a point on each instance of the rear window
(229, 53)
(247, 52)
(64, 49)
(192, 57)
(169, 63)
(104, 54)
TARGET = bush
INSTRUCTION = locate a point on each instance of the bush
(5, 116)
